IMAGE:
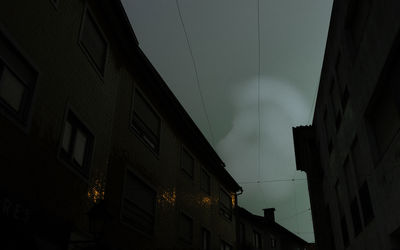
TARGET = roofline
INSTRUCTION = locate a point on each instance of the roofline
(115, 15)
(263, 222)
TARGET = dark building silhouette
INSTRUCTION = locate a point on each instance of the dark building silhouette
(350, 152)
(96, 151)
(262, 232)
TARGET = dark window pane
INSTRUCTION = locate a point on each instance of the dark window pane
(187, 162)
(384, 121)
(205, 181)
(242, 233)
(345, 98)
(146, 114)
(355, 214)
(80, 147)
(76, 144)
(338, 120)
(330, 234)
(356, 19)
(257, 240)
(273, 242)
(205, 239)
(146, 122)
(366, 205)
(94, 42)
(225, 246)
(17, 81)
(225, 204)
(345, 232)
(139, 193)
(11, 89)
(186, 228)
(139, 204)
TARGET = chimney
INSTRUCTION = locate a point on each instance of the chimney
(269, 214)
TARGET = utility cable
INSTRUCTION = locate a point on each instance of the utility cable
(258, 91)
(196, 72)
(296, 214)
(273, 180)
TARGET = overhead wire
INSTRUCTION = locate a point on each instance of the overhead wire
(258, 90)
(296, 214)
(273, 180)
(196, 73)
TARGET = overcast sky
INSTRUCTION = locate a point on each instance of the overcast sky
(224, 100)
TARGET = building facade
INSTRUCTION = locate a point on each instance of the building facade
(96, 151)
(350, 152)
(161, 157)
(262, 232)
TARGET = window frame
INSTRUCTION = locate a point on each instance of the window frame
(22, 121)
(133, 172)
(203, 170)
(273, 241)
(345, 231)
(180, 236)
(257, 239)
(223, 210)
(356, 216)
(183, 151)
(142, 130)
(350, 19)
(208, 234)
(366, 205)
(242, 233)
(55, 3)
(87, 11)
(379, 153)
(224, 245)
(67, 157)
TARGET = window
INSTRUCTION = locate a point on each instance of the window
(242, 233)
(329, 226)
(330, 146)
(345, 233)
(345, 97)
(355, 215)
(273, 242)
(333, 92)
(186, 228)
(358, 159)
(93, 42)
(205, 181)
(384, 121)
(76, 144)
(145, 122)
(325, 118)
(357, 15)
(348, 177)
(257, 240)
(205, 235)
(338, 192)
(225, 204)
(366, 205)
(17, 82)
(187, 162)
(138, 206)
(338, 120)
(55, 3)
(225, 246)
